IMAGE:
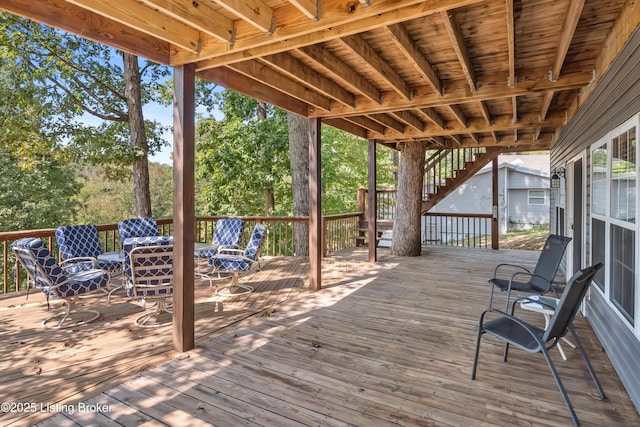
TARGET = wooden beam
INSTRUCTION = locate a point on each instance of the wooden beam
(184, 219)
(347, 126)
(410, 119)
(433, 116)
(412, 52)
(514, 104)
(310, 8)
(199, 15)
(231, 79)
(568, 30)
(361, 48)
(91, 26)
(315, 206)
(341, 72)
(388, 121)
(155, 24)
(485, 112)
(511, 43)
(460, 47)
(367, 123)
(298, 71)
(458, 93)
(337, 21)
(270, 77)
(256, 12)
(459, 115)
(372, 205)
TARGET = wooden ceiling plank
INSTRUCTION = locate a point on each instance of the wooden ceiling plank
(233, 80)
(460, 47)
(341, 72)
(474, 138)
(296, 70)
(310, 8)
(198, 15)
(91, 25)
(155, 24)
(535, 81)
(365, 52)
(270, 77)
(511, 43)
(410, 49)
(337, 21)
(256, 12)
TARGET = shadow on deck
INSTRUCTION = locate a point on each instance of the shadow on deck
(383, 344)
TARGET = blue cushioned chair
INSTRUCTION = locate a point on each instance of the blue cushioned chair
(228, 233)
(48, 276)
(148, 268)
(80, 247)
(233, 261)
(138, 227)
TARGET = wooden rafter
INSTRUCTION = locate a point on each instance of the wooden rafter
(336, 22)
(157, 24)
(434, 117)
(410, 119)
(388, 121)
(198, 15)
(341, 72)
(296, 70)
(460, 47)
(310, 8)
(511, 43)
(255, 12)
(459, 114)
(366, 53)
(410, 49)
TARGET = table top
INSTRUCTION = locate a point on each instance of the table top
(540, 304)
(112, 256)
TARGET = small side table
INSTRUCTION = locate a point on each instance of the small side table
(546, 306)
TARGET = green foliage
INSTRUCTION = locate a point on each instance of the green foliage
(38, 193)
(104, 202)
(247, 151)
(81, 85)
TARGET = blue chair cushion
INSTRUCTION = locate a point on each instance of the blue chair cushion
(138, 227)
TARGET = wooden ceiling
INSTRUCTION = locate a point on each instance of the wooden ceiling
(447, 73)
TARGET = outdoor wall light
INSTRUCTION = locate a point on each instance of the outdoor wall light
(555, 177)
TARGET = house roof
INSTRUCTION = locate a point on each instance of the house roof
(534, 164)
(446, 73)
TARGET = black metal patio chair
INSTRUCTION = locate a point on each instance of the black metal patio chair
(540, 281)
(532, 339)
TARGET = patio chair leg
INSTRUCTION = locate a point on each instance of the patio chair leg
(71, 308)
(161, 307)
(587, 362)
(235, 288)
(563, 391)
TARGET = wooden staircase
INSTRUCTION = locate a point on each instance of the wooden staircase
(446, 169)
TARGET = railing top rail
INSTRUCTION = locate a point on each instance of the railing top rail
(459, 215)
(342, 216)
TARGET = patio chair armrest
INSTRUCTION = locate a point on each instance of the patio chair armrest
(227, 251)
(531, 276)
(80, 259)
(80, 275)
(495, 271)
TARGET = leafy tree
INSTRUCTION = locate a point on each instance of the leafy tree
(83, 79)
(242, 155)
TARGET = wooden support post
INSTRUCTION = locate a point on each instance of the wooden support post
(183, 207)
(315, 206)
(495, 229)
(372, 214)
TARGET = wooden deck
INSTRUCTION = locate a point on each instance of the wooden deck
(383, 344)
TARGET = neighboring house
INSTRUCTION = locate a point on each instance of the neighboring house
(523, 193)
(596, 205)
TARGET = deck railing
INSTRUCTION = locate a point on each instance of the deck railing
(337, 234)
(453, 229)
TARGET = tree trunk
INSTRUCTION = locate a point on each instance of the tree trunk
(299, 160)
(137, 138)
(406, 226)
(269, 196)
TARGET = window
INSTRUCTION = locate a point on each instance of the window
(537, 197)
(623, 176)
(623, 271)
(613, 233)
